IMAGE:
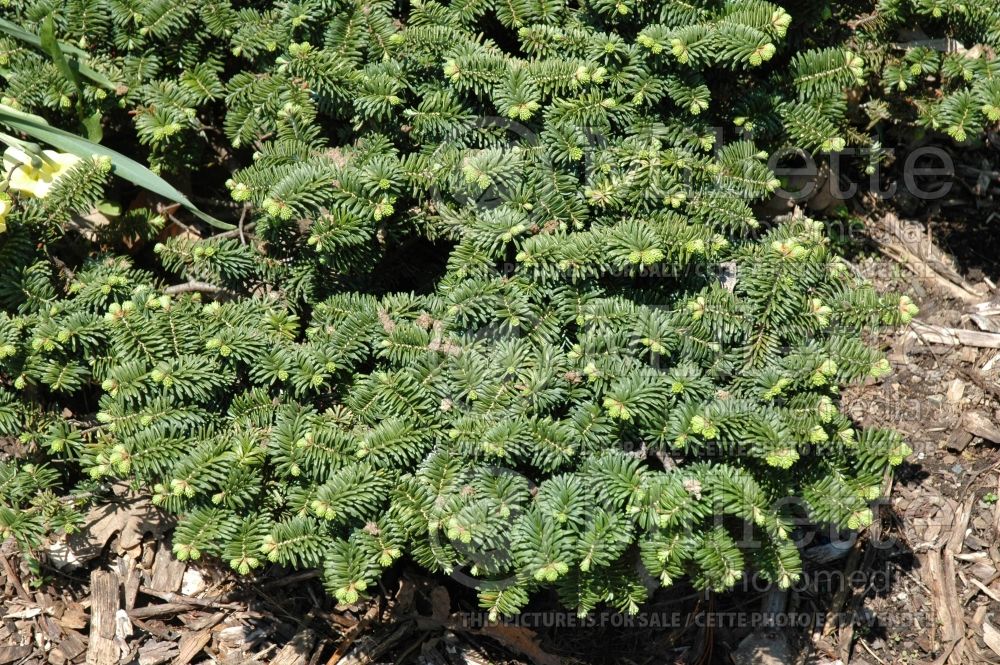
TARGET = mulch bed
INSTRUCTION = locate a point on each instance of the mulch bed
(932, 583)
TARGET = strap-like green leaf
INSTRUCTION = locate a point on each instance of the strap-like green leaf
(78, 56)
(124, 167)
(47, 39)
(47, 36)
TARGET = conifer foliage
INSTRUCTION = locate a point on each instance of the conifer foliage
(612, 371)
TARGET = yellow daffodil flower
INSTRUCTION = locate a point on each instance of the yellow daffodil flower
(25, 178)
(5, 205)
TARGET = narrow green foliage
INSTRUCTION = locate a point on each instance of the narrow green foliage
(499, 304)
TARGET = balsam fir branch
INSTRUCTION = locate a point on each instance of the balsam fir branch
(391, 417)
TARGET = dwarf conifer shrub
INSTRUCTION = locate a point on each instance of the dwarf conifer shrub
(608, 369)
(936, 66)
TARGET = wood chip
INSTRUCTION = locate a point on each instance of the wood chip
(987, 324)
(10, 654)
(968, 355)
(985, 589)
(13, 578)
(933, 574)
(297, 651)
(961, 524)
(980, 379)
(912, 245)
(156, 653)
(190, 645)
(235, 640)
(168, 572)
(171, 597)
(956, 390)
(370, 649)
(74, 618)
(29, 613)
(207, 621)
(131, 578)
(102, 649)
(161, 610)
(987, 367)
(934, 334)
(69, 648)
(959, 439)
(981, 425)
(991, 636)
